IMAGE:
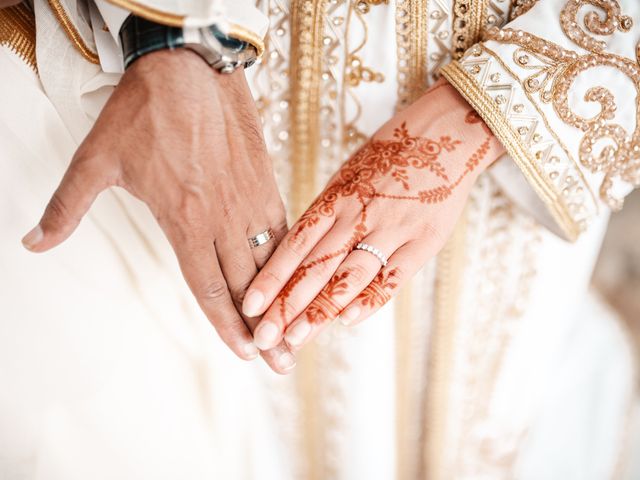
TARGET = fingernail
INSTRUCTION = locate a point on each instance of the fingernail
(350, 315)
(286, 361)
(251, 351)
(33, 238)
(253, 302)
(298, 334)
(266, 335)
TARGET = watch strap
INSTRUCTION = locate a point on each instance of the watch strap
(140, 36)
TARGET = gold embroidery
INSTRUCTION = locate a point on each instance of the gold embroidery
(553, 78)
(18, 32)
(241, 33)
(305, 75)
(520, 7)
(72, 32)
(439, 38)
(150, 13)
(512, 140)
(411, 31)
(469, 18)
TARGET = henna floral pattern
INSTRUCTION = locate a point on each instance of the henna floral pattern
(399, 159)
(323, 307)
(379, 290)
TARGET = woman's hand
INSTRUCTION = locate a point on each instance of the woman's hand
(401, 193)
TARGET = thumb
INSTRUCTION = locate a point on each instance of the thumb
(77, 191)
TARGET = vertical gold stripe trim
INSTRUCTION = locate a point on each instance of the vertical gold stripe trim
(448, 286)
(305, 74)
(18, 32)
(307, 25)
(72, 33)
(411, 40)
(469, 17)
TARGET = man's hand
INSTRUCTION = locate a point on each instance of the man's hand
(187, 141)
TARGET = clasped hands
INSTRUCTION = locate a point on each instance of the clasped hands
(187, 141)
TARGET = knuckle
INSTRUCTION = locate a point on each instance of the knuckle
(296, 243)
(290, 311)
(432, 234)
(271, 276)
(238, 292)
(58, 210)
(214, 291)
(358, 274)
(323, 270)
(287, 311)
(191, 208)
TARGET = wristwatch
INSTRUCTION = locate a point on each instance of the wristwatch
(139, 37)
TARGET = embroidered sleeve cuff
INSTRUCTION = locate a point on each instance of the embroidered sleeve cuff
(237, 18)
(559, 86)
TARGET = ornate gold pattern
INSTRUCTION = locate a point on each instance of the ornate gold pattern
(520, 7)
(305, 75)
(72, 32)
(439, 37)
(555, 78)
(150, 13)
(469, 18)
(18, 32)
(514, 141)
(411, 31)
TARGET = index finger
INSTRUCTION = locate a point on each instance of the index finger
(293, 249)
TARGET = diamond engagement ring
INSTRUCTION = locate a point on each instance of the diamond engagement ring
(261, 238)
(373, 250)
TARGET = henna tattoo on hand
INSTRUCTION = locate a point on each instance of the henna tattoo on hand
(323, 307)
(359, 178)
(379, 290)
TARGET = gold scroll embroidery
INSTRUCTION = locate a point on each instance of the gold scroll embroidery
(619, 158)
(520, 7)
(18, 32)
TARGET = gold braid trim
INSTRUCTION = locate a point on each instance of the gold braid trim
(150, 13)
(491, 114)
(71, 31)
(18, 32)
(469, 17)
(307, 25)
(411, 39)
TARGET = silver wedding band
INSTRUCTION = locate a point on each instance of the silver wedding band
(373, 250)
(261, 238)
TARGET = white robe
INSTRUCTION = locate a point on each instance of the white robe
(108, 369)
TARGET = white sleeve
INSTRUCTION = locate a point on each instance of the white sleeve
(237, 18)
(560, 87)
